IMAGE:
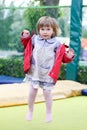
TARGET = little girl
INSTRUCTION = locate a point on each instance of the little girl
(43, 57)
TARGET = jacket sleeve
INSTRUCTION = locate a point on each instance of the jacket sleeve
(27, 43)
(61, 57)
(24, 40)
(57, 64)
(27, 56)
(67, 59)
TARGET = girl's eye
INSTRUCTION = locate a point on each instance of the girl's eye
(42, 29)
(48, 29)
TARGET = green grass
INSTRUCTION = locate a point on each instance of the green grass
(68, 114)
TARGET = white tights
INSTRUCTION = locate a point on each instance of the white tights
(48, 100)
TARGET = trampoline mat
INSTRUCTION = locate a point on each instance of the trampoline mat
(17, 93)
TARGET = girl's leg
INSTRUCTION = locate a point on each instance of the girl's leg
(32, 96)
(48, 99)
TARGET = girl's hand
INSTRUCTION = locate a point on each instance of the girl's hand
(25, 33)
(70, 53)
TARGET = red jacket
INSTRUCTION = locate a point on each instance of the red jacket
(26, 42)
(60, 57)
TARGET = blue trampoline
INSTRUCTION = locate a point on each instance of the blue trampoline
(9, 80)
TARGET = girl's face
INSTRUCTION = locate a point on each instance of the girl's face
(46, 32)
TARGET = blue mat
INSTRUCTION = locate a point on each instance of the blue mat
(9, 80)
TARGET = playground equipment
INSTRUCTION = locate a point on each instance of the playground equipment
(75, 34)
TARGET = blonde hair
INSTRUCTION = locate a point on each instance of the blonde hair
(48, 21)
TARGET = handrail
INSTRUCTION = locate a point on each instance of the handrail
(20, 7)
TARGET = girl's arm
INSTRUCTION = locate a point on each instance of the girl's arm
(25, 36)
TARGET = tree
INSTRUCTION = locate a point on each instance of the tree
(11, 24)
(31, 15)
(64, 22)
(6, 19)
(54, 12)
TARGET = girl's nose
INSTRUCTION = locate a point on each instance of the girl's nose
(45, 31)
